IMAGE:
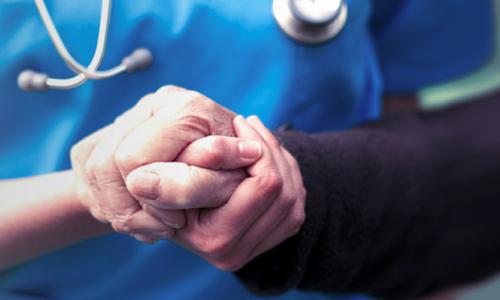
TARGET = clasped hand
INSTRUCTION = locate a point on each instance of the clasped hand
(179, 166)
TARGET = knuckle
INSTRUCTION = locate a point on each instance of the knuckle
(120, 227)
(208, 103)
(194, 96)
(215, 247)
(181, 197)
(96, 169)
(303, 193)
(181, 187)
(146, 100)
(272, 183)
(194, 123)
(90, 171)
(125, 160)
(121, 224)
(297, 220)
(200, 102)
(273, 141)
(175, 189)
(191, 98)
(96, 213)
(286, 202)
(215, 151)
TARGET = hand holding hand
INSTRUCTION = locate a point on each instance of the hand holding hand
(155, 130)
(264, 210)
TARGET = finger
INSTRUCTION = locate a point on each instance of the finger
(296, 175)
(279, 209)
(81, 152)
(185, 117)
(292, 223)
(108, 186)
(173, 218)
(255, 194)
(274, 144)
(260, 231)
(143, 224)
(263, 131)
(294, 186)
(220, 152)
(289, 167)
(276, 150)
(287, 228)
(180, 186)
(79, 155)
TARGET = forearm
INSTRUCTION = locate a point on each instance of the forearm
(41, 214)
(396, 208)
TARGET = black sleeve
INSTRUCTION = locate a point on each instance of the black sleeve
(396, 208)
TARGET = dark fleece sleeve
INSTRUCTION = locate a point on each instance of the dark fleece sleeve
(396, 208)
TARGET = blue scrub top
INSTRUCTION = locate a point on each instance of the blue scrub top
(232, 51)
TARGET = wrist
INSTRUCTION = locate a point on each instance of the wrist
(42, 214)
(78, 211)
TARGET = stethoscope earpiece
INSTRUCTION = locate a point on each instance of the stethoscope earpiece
(139, 60)
(30, 81)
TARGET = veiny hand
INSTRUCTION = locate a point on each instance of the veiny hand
(157, 129)
(264, 210)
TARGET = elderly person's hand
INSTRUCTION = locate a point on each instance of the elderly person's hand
(157, 129)
(264, 210)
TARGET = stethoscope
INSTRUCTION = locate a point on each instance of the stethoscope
(305, 21)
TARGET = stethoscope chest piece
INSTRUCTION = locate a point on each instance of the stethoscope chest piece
(310, 21)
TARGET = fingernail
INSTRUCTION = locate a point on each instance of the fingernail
(144, 184)
(250, 149)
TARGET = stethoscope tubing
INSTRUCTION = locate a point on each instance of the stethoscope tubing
(295, 27)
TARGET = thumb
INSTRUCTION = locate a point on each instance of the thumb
(221, 152)
(177, 185)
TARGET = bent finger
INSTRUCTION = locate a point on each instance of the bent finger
(172, 218)
(143, 224)
(288, 227)
(255, 194)
(221, 152)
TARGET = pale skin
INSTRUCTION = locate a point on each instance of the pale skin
(202, 200)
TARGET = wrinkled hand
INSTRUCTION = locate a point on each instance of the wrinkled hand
(156, 129)
(264, 210)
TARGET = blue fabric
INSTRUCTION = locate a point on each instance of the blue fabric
(422, 43)
(231, 51)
